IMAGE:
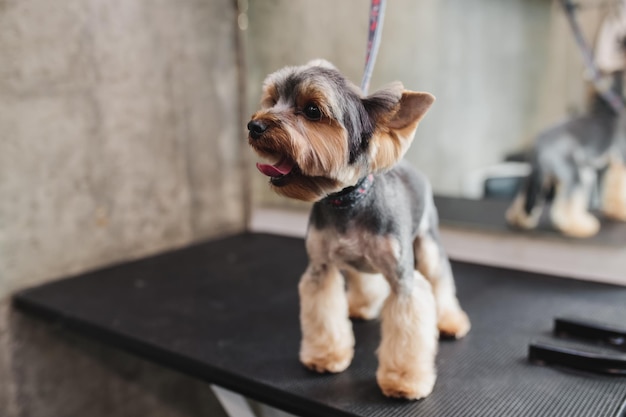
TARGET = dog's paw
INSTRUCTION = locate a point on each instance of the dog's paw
(323, 361)
(454, 323)
(520, 220)
(615, 214)
(581, 226)
(516, 216)
(359, 309)
(410, 385)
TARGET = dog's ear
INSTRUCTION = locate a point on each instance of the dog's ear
(395, 114)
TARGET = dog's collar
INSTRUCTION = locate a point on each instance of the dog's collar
(350, 196)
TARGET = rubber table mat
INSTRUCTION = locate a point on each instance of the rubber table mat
(226, 311)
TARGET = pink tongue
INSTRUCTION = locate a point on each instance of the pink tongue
(283, 167)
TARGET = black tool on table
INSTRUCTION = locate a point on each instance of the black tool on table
(594, 357)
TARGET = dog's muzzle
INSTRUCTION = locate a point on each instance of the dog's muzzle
(256, 128)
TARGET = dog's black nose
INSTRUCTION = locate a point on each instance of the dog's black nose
(256, 128)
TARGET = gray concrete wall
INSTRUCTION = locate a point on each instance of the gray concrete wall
(120, 137)
(501, 70)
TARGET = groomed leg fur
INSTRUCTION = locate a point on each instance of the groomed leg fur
(516, 215)
(614, 191)
(527, 207)
(409, 340)
(433, 263)
(327, 338)
(570, 213)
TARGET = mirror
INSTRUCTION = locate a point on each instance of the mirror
(502, 73)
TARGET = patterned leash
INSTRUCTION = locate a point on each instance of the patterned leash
(614, 100)
(377, 15)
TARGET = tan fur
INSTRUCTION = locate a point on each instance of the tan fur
(411, 109)
(280, 142)
(570, 213)
(366, 294)
(319, 62)
(319, 155)
(427, 257)
(319, 148)
(269, 96)
(409, 318)
(409, 342)
(389, 144)
(328, 153)
(386, 148)
(614, 191)
(327, 338)
(516, 215)
(451, 319)
(308, 188)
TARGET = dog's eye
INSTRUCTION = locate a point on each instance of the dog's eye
(312, 112)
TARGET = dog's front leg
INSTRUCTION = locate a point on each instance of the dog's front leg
(327, 338)
(409, 337)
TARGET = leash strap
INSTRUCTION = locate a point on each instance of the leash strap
(377, 14)
(608, 95)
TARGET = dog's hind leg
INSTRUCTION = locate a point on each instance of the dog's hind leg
(433, 263)
(614, 191)
(366, 294)
(409, 327)
(570, 209)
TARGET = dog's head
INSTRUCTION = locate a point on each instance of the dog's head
(321, 135)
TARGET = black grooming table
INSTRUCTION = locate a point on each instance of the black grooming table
(226, 311)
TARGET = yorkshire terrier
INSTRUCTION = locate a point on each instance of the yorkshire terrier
(568, 158)
(373, 223)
